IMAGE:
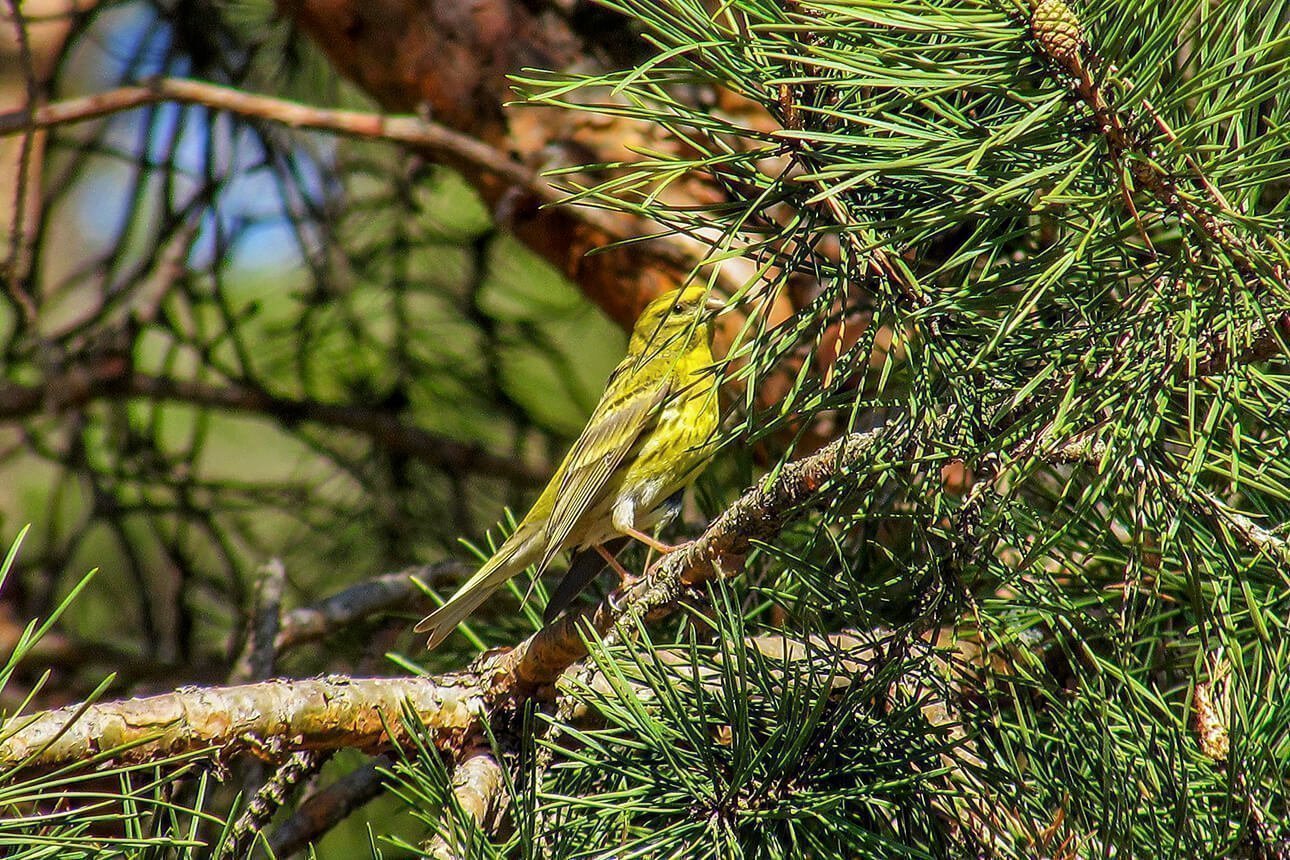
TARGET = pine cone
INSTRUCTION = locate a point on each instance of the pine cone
(1057, 30)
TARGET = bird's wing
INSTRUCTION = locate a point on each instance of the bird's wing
(612, 431)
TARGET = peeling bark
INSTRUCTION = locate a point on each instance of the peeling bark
(271, 719)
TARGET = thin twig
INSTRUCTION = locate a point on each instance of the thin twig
(1250, 533)
(256, 663)
(15, 267)
(1086, 449)
(1267, 343)
(110, 377)
(384, 593)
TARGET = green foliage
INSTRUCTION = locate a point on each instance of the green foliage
(96, 808)
(715, 750)
(1074, 311)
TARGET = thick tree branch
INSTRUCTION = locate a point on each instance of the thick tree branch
(274, 719)
(454, 61)
(270, 718)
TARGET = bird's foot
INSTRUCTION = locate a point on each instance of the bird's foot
(653, 566)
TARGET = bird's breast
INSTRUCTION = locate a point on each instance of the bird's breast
(669, 458)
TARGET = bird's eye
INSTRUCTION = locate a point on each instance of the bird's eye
(678, 309)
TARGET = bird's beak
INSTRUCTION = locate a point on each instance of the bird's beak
(715, 303)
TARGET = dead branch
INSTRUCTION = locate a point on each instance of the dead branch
(593, 227)
(384, 593)
(327, 807)
(260, 653)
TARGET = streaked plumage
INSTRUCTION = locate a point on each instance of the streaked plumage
(647, 439)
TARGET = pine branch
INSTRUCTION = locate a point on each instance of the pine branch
(1269, 342)
(1086, 449)
(1059, 35)
(276, 718)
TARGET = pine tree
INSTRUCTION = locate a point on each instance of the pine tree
(999, 520)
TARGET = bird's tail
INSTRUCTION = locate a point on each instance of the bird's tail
(511, 557)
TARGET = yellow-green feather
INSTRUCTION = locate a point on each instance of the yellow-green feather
(624, 446)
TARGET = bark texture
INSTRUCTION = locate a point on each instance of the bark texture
(271, 719)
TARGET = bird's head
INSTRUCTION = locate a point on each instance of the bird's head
(672, 318)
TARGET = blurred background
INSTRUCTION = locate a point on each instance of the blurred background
(225, 342)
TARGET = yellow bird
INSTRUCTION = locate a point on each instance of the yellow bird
(647, 440)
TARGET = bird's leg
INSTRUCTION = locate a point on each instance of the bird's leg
(625, 577)
(649, 540)
(655, 545)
